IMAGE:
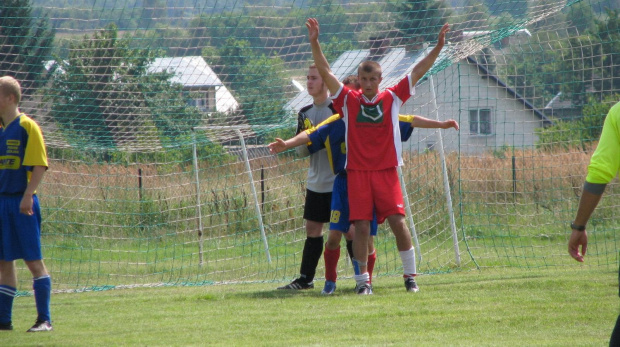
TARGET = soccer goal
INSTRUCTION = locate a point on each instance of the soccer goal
(157, 118)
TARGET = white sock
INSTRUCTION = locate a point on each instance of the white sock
(363, 278)
(408, 259)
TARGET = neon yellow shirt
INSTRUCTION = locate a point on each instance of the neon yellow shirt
(605, 161)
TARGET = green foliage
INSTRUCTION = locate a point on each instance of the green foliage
(25, 43)
(259, 81)
(421, 19)
(103, 91)
(567, 134)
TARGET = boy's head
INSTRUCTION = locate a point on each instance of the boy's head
(314, 83)
(351, 82)
(369, 77)
(9, 87)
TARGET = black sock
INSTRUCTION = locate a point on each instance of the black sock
(313, 250)
(350, 249)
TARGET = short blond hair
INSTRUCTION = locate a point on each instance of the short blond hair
(10, 86)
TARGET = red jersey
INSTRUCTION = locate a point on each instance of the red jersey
(373, 135)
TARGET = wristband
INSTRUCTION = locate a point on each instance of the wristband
(577, 227)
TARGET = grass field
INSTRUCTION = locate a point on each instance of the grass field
(574, 306)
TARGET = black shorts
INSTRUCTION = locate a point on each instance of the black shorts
(318, 206)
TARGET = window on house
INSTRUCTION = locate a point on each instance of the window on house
(480, 122)
(202, 100)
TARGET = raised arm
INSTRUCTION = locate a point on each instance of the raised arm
(421, 122)
(320, 61)
(280, 145)
(427, 62)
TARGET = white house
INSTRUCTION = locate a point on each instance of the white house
(490, 113)
(206, 90)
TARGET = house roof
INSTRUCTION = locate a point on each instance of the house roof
(192, 71)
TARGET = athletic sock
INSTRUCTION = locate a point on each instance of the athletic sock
(371, 263)
(42, 293)
(363, 278)
(350, 249)
(331, 257)
(313, 250)
(7, 294)
(408, 259)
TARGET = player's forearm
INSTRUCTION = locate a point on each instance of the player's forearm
(322, 65)
(587, 204)
(35, 179)
(300, 139)
(421, 122)
(425, 64)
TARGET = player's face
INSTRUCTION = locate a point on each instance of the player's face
(369, 83)
(314, 83)
(6, 101)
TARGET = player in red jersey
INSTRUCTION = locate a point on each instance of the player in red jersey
(374, 150)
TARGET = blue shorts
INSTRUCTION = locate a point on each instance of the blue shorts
(20, 235)
(340, 208)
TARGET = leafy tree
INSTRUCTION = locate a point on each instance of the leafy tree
(566, 134)
(102, 93)
(257, 81)
(25, 43)
(609, 34)
(422, 19)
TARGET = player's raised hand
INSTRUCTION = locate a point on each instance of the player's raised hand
(451, 123)
(313, 29)
(278, 146)
(441, 40)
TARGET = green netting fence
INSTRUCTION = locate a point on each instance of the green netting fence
(154, 110)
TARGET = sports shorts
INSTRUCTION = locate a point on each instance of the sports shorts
(340, 208)
(20, 234)
(377, 191)
(317, 206)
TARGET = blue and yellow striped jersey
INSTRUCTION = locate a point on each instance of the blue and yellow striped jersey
(21, 148)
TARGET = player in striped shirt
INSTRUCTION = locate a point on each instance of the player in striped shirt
(23, 161)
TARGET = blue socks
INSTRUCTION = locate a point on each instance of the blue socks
(42, 292)
(7, 294)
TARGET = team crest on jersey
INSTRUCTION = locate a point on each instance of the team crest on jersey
(371, 113)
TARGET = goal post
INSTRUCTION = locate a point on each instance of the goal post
(246, 160)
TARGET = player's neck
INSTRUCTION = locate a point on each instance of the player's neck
(319, 100)
(9, 116)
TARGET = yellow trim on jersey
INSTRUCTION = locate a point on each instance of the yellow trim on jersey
(406, 118)
(35, 153)
(330, 157)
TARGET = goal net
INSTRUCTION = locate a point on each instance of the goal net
(156, 116)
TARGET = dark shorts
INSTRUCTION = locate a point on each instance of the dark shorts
(318, 206)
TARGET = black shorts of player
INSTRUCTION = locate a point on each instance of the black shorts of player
(318, 206)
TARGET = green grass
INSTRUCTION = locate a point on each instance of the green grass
(575, 305)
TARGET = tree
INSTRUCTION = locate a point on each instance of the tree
(257, 80)
(25, 43)
(422, 19)
(102, 94)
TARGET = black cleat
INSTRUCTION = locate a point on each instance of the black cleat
(298, 284)
(411, 285)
